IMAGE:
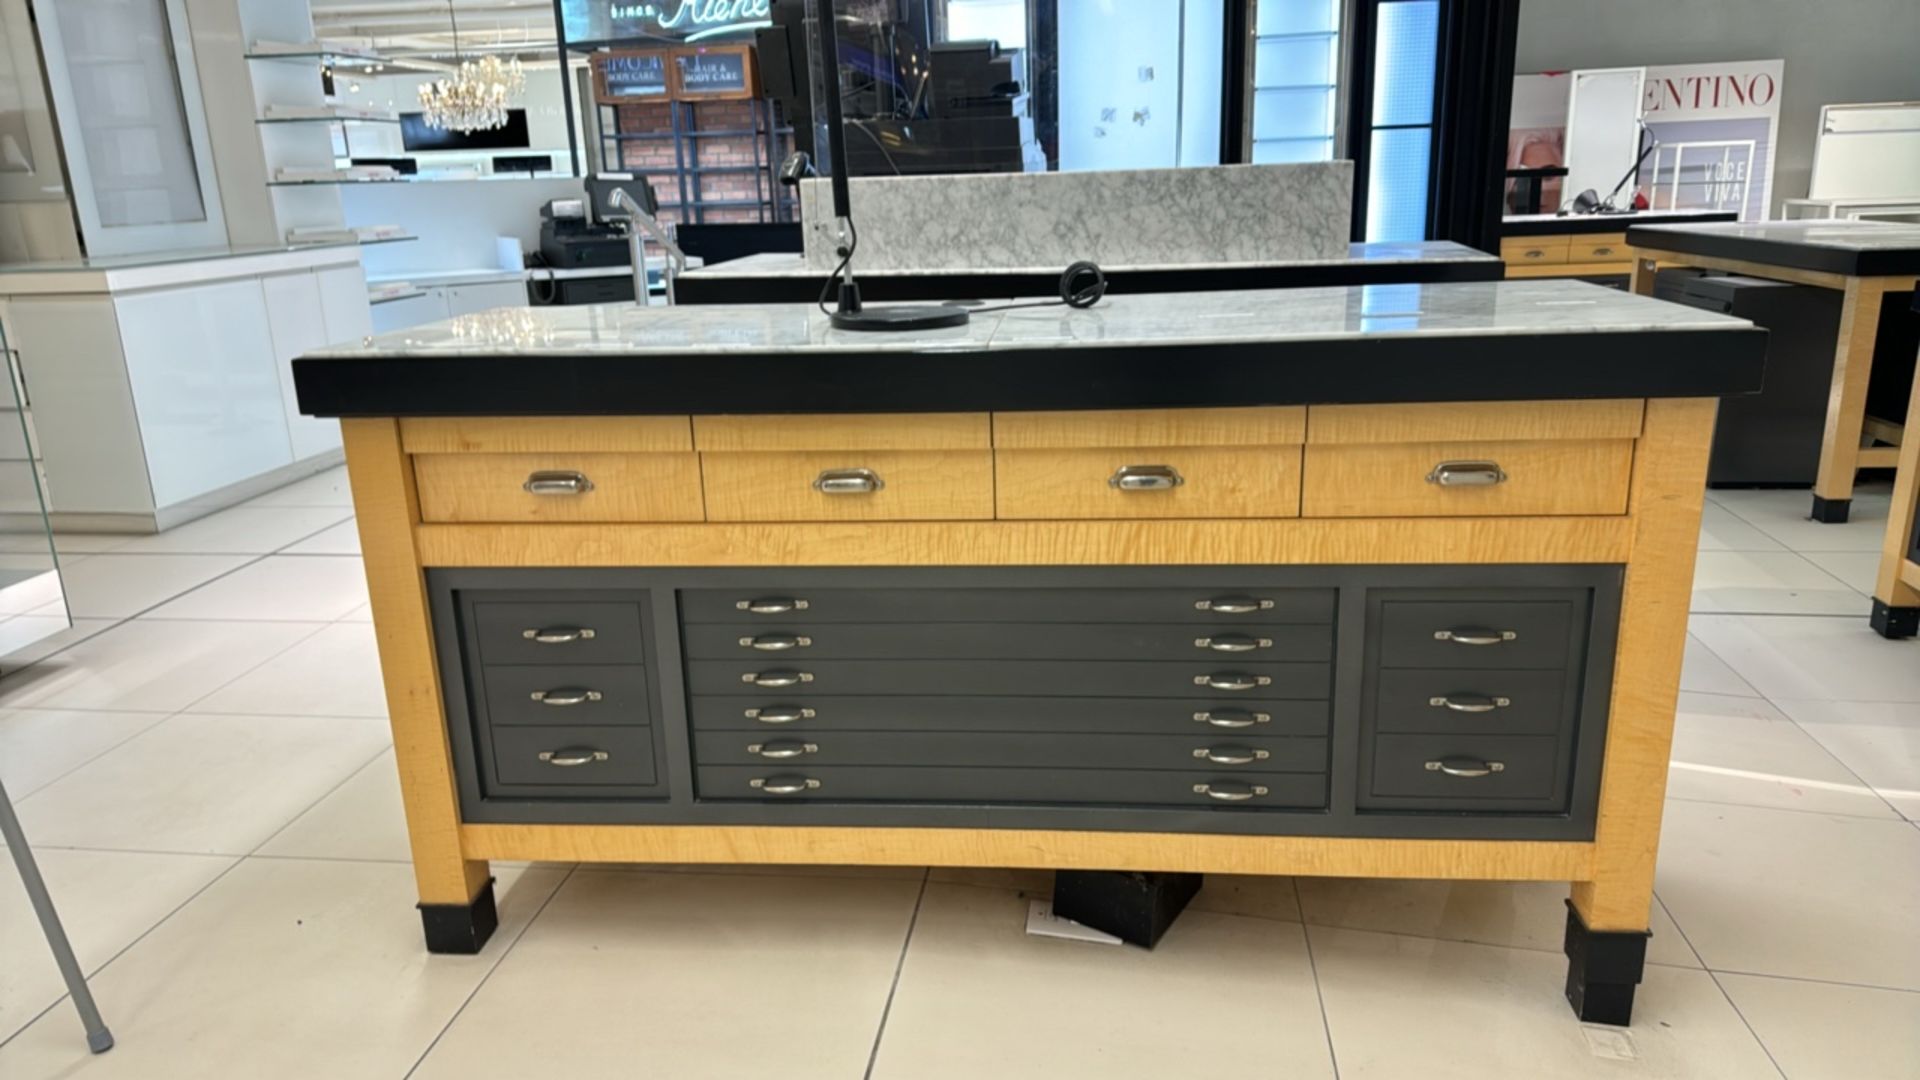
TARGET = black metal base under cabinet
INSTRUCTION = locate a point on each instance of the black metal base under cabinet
(1602, 970)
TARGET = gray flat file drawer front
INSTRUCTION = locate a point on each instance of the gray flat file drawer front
(1046, 605)
(628, 760)
(1539, 633)
(612, 693)
(1118, 787)
(1528, 775)
(803, 750)
(801, 676)
(999, 641)
(1487, 701)
(609, 633)
(1146, 716)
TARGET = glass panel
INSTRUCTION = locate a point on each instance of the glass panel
(1404, 56)
(1397, 184)
(1296, 16)
(1292, 114)
(16, 147)
(132, 122)
(32, 605)
(1289, 151)
(1294, 61)
(969, 86)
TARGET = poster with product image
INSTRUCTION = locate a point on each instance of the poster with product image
(1537, 133)
(1715, 127)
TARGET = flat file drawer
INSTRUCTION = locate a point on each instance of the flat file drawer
(1234, 753)
(1466, 772)
(1219, 681)
(568, 487)
(1468, 479)
(566, 694)
(573, 756)
(1469, 633)
(1147, 716)
(858, 485)
(557, 632)
(1226, 603)
(1483, 701)
(1119, 787)
(1176, 482)
(1050, 641)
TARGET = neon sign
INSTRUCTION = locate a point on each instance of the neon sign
(695, 19)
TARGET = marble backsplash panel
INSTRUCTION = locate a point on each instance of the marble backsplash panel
(1227, 213)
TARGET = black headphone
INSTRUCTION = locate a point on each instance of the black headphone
(1081, 286)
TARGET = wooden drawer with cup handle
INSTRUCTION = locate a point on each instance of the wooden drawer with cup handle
(1468, 479)
(558, 487)
(1152, 482)
(852, 485)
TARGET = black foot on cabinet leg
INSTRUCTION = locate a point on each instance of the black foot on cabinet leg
(1894, 622)
(1136, 908)
(1830, 511)
(1603, 967)
(460, 929)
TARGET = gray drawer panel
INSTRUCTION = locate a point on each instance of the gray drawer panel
(1541, 633)
(802, 640)
(622, 694)
(1146, 716)
(805, 750)
(1522, 702)
(1002, 786)
(629, 758)
(1065, 678)
(1530, 777)
(501, 626)
(1048, 605)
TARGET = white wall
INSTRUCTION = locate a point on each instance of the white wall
(457, 221)
(1838, 51)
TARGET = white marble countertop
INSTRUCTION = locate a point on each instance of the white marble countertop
(793, 264)
(1342, 313)
(1623, 219)
(1840, 235)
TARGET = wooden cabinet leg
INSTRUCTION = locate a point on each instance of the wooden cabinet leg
(1644, 270)
(1847, 399)
(456, 893)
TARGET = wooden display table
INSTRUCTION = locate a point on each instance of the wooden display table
(1581, 245)
(1291, 582)
(1864, 261)
(1896, 589)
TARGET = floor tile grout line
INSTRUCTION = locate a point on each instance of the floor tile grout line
(487, 975)
(899, 965)
(1817, 982)
(328, 794)
(1896, 816)
(23, 796)
(123, 950)
(1748, 1024)
(1313, 970)
(1816, 740)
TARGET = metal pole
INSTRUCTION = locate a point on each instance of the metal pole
(99, 1039)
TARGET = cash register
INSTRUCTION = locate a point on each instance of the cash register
(571, 238)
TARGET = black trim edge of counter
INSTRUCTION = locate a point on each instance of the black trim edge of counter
(1827, 260)
(1499, 367)
(1588, 224)
(878, 285)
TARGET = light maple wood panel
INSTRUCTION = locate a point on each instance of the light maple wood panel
(1498, 860)
(1669, 486)
(1241, 482)
(1465, 421)
(534, 434)
(1281, 542)
(886, 431)
(1897, 584)
(626, 487)
(1542, 478)
(1262, 426)
(919, 485)
(386, 507)
(1534, 250)
(1600, 248)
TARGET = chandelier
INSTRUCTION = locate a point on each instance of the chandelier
(475, 98)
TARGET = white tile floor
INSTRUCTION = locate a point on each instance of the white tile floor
(204, 766)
